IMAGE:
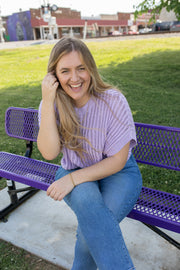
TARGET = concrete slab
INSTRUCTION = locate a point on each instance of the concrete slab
(48, 229)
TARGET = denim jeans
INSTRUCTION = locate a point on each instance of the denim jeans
(100, 206)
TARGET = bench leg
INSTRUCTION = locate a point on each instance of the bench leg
(15, 201)
(163, 235)
(12, 186)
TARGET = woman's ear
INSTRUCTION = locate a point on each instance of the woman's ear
(59, 87)
(56, 77)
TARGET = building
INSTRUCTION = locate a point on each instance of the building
(166, 16)
(143, 20)
(69, 22)
(44, 23)
(19, 26)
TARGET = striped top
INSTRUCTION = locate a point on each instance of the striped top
(108, 124)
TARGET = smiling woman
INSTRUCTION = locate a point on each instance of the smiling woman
(91, 123)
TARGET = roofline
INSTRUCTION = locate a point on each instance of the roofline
(35, 22)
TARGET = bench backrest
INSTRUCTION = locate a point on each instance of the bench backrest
(157, 145)
(22, 123)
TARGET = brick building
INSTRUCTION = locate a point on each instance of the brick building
(67, 21)
(45, 24)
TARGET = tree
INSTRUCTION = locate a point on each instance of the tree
(156, 6)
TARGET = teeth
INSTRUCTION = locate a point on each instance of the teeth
(76, 86)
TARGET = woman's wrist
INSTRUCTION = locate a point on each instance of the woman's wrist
(72, 180)
(47, 102)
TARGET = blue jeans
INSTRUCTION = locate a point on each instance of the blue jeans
(100, 206)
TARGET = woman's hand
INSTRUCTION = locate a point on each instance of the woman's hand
(60, 188)
(49, 87)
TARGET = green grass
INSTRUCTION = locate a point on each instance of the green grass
(146, 71)
(13, 258)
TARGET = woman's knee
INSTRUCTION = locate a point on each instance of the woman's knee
(121, 194)
(83, 196)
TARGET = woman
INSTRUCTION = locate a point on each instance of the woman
(92, 125)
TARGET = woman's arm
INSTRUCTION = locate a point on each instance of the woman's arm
(102, 169)
(48, 137)
(60, 188)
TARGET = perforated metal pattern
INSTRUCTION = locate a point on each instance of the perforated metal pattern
(22, 123)
(158, 146)
(160, 206)
(25, 170)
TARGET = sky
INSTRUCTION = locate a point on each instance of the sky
(93, 8)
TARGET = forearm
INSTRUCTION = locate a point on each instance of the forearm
(102, 169)
(60, 188)
(48, 137)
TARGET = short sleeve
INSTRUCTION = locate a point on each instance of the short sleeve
(121, 128)
(39, 113)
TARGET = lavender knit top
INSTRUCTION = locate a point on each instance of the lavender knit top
(107, 123)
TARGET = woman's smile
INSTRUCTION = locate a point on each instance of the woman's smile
(76, 87)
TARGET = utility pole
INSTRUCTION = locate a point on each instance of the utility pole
(2, 29)
(85, 30)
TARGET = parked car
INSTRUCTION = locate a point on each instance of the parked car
(133, 32)
(116, 33)
(161, 26)
(130, 32)
(175, 26)
(156, 27)
(145, 30)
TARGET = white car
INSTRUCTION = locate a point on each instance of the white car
(145, 30)
(116, 33)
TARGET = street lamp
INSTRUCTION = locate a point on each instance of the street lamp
(48, 18)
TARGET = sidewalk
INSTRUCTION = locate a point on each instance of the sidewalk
(48, 229)
(25, 43)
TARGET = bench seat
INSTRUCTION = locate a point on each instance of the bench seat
(154, 207)
(158, 208)
(35, 173)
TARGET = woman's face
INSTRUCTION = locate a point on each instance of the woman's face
(74, 78)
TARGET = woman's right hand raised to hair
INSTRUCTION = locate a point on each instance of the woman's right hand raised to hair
(49, 87)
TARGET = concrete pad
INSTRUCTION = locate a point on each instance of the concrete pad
(48, 229)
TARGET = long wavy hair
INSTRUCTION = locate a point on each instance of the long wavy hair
(69, 127)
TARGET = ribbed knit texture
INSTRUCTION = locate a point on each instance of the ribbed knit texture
(108, 124)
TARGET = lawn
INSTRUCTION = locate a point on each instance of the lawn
(146, 71)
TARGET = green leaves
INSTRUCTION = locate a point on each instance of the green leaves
(156, 6)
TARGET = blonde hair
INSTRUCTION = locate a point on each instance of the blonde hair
(69, 128)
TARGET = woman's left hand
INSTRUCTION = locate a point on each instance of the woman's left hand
(60, 188)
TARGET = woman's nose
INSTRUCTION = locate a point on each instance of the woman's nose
(74, 76)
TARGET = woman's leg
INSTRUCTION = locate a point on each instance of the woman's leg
(98, 224)
(99, 227)
(82, 257)
(121, 190)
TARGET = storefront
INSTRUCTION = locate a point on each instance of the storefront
(33, 25)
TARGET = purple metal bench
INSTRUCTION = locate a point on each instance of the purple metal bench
(157, 146)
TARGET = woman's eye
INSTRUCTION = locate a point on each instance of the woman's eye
(64, 71)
